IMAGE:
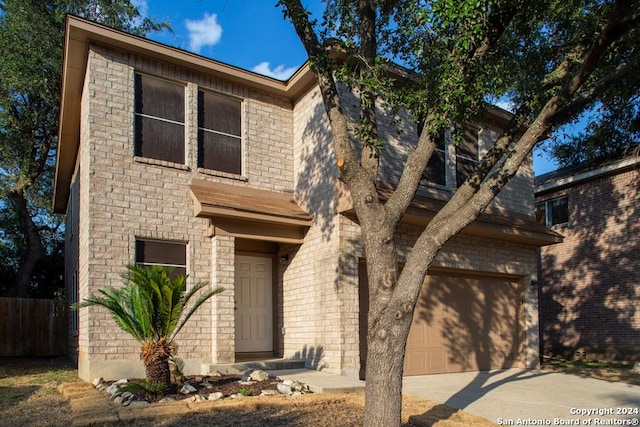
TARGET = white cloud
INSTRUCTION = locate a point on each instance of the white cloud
(280, 72)
(143, 7)
(203, 32)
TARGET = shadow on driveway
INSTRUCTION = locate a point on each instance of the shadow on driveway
(509, 394)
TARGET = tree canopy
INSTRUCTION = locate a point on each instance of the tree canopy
(553, 60)
(31, 42)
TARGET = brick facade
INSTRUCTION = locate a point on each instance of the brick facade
(590, 283)
(116, 198)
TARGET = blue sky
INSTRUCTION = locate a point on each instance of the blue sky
(249, 34)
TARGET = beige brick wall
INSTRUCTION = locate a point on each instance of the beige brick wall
(331, 252)
(222, 307)
(311, 306)
(123, 198)
(286, 148)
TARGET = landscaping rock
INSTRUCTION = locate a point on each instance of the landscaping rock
(98, 382)
(188, 389)
(127, 397)
(295, 385)
(259, 375)
(246, 382)
(167, 400)
(139, 404)
(268, 392)
(196, 398)
(216, 396)
(113, 391)
(122, 381)
(284, 389)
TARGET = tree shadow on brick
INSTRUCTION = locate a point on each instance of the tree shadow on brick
(312, 356)
(589, 286)
(478, 324)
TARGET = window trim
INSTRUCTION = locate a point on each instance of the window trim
(548, 212)
(464, 157)
(73, 299)
(445, 155)
(184, 245)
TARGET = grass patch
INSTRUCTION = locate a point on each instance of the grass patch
(29, 391)
(598, 369)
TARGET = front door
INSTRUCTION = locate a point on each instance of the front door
(254, 304)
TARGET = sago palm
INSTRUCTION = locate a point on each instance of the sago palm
(153, 306)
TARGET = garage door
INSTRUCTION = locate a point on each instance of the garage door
(465, 322)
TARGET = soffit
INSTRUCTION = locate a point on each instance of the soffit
(495, 223)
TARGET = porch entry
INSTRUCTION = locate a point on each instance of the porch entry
(253, 304)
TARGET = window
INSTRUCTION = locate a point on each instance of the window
(466, 155)
(553, 212)
(73, 299)
(169, 254)
(436, 171)
(159, 119)
(219, 133)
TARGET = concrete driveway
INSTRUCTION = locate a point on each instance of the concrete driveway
(507, 396)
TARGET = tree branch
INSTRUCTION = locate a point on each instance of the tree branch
(412, 173)
(482, 186)
(369, 158)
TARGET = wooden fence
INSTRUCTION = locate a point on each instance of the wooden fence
(33, 327)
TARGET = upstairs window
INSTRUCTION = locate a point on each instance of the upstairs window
(436, 171)
(466, 155)
(219, 133)
(553, 212)
(168, 254)
(159, 119)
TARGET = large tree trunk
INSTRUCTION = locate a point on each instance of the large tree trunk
(389, 320)
(35, 251)
(384, 369)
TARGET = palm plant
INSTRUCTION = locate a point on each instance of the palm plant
(152, 307)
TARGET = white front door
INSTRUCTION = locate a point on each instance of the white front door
(254, 304)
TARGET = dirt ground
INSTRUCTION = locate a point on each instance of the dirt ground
(91, 408)
(46, 392)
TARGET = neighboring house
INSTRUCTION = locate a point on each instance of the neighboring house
(590, 283)
(166, 157)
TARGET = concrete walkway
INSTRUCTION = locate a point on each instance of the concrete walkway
(321, 382)
(505, 396)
